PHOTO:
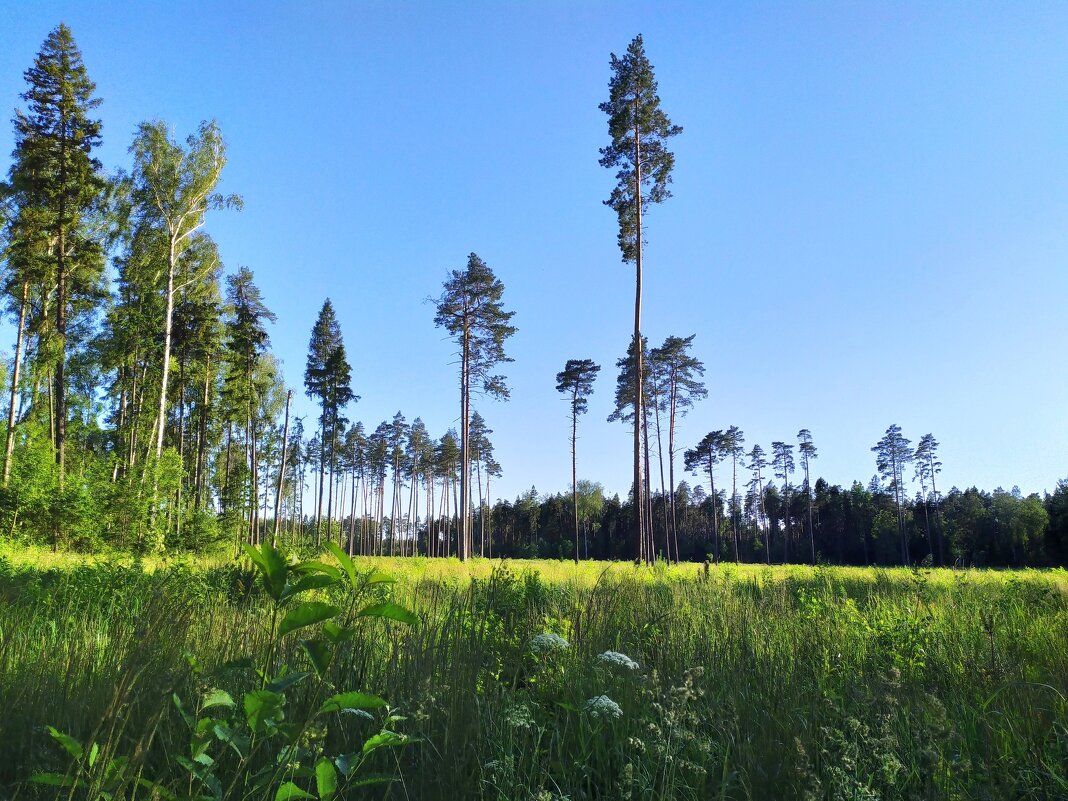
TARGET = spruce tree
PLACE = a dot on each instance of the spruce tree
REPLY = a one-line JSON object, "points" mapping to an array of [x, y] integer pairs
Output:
{"points": [[328, 379], [57, 185]]}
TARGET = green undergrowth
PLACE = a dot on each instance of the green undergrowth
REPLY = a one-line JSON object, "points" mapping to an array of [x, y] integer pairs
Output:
{"points": [[515, 682]]}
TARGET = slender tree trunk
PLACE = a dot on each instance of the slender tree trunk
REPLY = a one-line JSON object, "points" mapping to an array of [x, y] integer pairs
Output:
{"points": [[663, 487], [574, 470], [282, 469], [649, 523], [9, 446], [639, 511], [168, 322], [811, 530], [464, 541], [715, 510], [330, 492], [202, 438]]}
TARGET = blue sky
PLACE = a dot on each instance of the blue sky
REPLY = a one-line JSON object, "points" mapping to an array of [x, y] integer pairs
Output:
{"points": [[869, 223]]}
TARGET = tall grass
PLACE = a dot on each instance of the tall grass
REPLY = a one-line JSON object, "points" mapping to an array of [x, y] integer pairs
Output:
{"points": [[751, 682]]}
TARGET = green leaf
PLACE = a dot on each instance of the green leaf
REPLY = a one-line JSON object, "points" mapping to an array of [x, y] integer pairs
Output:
{"points": [[325, 779], [263, 708], [70, 745], [181, 710], [367, 781], [352, 700], [320, 654], [389, 610], [216, 697], [307, 614], [272, 565], [162, 791], [94, 752], [224, 734], [344, 560], [54, 779], [378, 577], [283, 683], [289, 791], [312, 582], [336, 633], [317, 567], [384, 739]]}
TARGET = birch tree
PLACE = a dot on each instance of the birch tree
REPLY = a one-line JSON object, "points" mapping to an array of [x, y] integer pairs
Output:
{"points": [[174, 187]]}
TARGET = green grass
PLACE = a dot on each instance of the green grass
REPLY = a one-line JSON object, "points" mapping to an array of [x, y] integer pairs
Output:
{"points": [[753, 682]]}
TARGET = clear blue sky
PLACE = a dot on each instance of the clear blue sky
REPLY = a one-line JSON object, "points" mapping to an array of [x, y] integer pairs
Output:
{"points": [[869, 223]]}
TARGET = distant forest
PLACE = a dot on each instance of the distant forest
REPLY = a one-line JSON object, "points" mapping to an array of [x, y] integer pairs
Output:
{"points": [[145, 411]]}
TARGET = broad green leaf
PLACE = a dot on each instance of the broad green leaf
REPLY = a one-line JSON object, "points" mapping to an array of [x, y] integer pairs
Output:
{"points": [[325, 779], [290, 791], [216, 697], [55, 779], [384, 739], [272, 564], [344, 560], [307, 614], [352, 700], [320, 654], [378, 577], [314, 581], [224, 734], [94, 752], [263, 707], [336, 633], [283, 683], [70, 745], [254, 555], [317, 567], [389, 610]]}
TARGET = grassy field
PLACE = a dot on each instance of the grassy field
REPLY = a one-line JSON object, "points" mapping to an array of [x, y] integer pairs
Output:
{"points": [[529, 680]]}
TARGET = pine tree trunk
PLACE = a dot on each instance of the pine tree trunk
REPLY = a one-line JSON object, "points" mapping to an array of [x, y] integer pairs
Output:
{"points": [[639, 511], [462, 540], [574, 470]]}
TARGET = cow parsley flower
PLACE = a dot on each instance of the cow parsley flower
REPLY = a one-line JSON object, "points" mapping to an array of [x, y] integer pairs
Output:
{"points": [[602, 706], [618, 660], [547, 642], [519, 717]]}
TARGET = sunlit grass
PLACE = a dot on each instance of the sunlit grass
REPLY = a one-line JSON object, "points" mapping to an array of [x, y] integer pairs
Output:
{"points": [[753, 682]]}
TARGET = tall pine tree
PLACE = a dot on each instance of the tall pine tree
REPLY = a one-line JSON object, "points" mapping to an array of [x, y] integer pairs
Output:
{"points": [[639, 130]]}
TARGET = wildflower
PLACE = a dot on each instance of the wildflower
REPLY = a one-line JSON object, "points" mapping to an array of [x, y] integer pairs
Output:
{"points": [[548, 641], [519, 717], [602, 706], [618, 660]]}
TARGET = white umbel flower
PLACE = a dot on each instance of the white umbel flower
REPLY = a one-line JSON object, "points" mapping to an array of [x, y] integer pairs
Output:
{"points": [[602, 706], [618, 660], [547, 642]]}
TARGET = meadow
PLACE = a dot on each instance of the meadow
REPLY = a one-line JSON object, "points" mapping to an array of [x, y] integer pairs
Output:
{"points": [[433, 679]]}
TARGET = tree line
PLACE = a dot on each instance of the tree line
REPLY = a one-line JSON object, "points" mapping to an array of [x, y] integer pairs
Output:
{"points": [[146, 410]]}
